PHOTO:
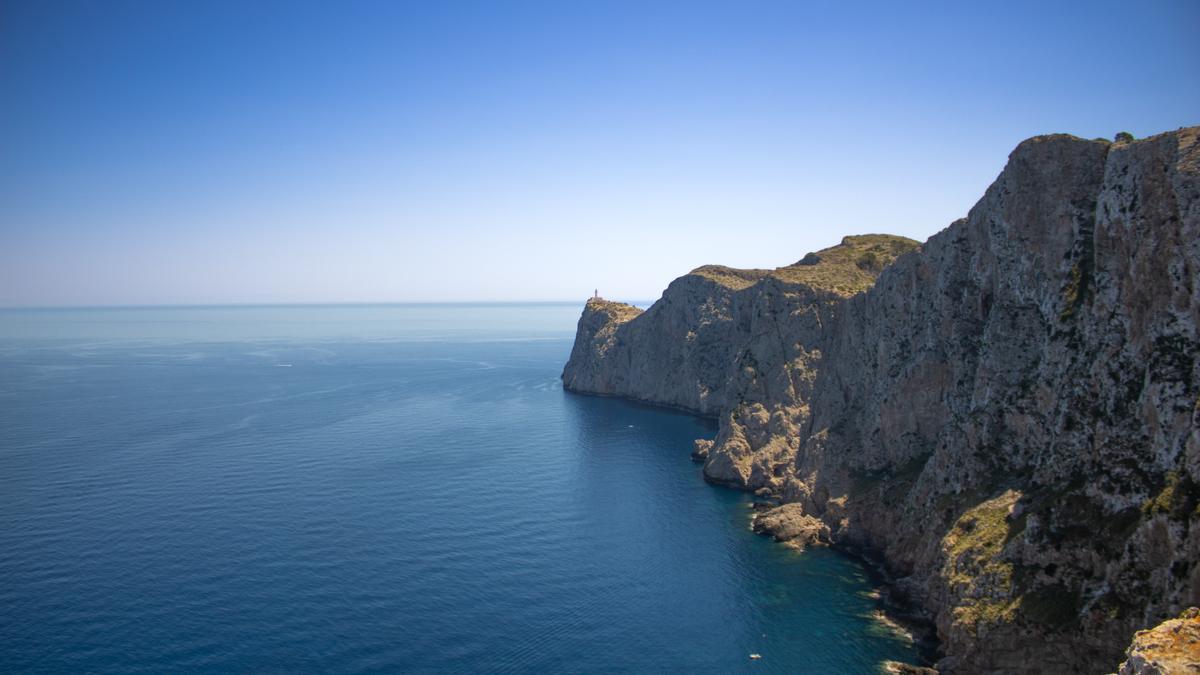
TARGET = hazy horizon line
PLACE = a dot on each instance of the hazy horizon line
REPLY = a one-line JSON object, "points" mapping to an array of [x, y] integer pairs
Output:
{"points": [[347, 303]]}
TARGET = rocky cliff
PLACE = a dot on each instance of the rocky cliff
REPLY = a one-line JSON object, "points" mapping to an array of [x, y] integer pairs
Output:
{"points": [[1170, 648], [1005, 415]]}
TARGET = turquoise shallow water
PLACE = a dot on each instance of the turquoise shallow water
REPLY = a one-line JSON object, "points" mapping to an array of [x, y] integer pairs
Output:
{"points": [[376, 488]]}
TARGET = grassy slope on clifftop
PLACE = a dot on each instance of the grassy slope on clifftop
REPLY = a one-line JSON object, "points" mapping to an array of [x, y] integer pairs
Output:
{"points": [[848, 268]]}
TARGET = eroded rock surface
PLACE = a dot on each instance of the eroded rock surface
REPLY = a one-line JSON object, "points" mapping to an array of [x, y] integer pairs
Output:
{"points": [[791, 525], [1170, 648], [1008, 414]]}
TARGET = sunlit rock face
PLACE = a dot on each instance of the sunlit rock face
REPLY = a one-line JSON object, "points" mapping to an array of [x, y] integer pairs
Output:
{"points": [[1169, 648], [1008, 413]]}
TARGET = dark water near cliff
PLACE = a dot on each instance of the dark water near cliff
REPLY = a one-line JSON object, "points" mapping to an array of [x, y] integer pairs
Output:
{"points": [[354, 489]]}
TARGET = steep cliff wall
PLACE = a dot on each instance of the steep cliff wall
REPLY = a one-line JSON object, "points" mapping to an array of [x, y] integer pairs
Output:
{"points": [[689, 350], [1008, 415]]}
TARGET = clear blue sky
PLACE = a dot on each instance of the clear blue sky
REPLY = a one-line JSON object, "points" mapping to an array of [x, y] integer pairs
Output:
{"points": [[208, 152]]}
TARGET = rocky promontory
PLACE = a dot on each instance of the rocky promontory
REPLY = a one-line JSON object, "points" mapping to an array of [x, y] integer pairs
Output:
{"points": [[1170, 648], [1005, 415]]}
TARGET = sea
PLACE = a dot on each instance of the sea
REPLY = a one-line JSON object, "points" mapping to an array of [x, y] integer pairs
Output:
{"points": [[378, 488]]}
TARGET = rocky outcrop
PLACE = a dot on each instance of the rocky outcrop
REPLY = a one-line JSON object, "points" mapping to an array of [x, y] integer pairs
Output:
{"points": [[697, 347], [1006, 415], [789, 524], [1170, 648], [897, 668]]}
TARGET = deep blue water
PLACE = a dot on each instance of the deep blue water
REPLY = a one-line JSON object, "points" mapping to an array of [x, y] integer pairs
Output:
{"points": [[376, 488]]}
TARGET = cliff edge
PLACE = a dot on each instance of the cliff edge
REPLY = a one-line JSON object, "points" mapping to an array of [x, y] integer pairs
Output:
{"points": [[1006, 415]]}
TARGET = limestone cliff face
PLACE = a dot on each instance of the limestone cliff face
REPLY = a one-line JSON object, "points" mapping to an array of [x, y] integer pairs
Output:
{"points": [[696, 347], [1008, 415]]}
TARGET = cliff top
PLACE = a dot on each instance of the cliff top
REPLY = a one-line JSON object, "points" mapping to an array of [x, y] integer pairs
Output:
{"points": [[731, 277], [848, 268], [618, 311], [1186, 137]]}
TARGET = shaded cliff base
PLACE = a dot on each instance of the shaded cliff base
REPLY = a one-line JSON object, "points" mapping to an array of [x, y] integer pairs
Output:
{"points": [[1170, 648], [788, 525]]}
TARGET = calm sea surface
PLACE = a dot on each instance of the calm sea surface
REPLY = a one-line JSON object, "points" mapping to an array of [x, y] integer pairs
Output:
{"points": [[376, 488]]}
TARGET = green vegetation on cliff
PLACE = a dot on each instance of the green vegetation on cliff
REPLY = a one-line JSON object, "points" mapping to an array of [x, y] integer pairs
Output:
{"points": [[619, 312], [974, 564], [731, 277], [850, 267], [846, 269]]}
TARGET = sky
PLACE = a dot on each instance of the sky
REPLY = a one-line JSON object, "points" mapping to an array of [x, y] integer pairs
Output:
{"points": [[292, 152]]}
